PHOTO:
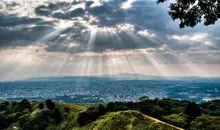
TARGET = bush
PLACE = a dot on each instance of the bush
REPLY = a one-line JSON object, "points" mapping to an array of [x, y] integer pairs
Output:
{"points": [[87, 117], [3, 121], [90, 115], [111, 106], [14, 104], [6, 103], [27, 126], [176, 119], [41, 106], [3, 107], [42, 120], [192, 110], [67, 109], [49, 104], [24, 104], [12, 118], [205, 122], [57, 115], [151, 110], [101, 109]]}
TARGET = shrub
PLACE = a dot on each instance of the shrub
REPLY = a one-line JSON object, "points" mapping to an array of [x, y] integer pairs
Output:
{"points": [[192, 110], [205, 122], [27, 126], [3, 121], [12, 118], [151, 110], [6, 103], [101, 109], [90, 115], [57, 115], [111, 106], [41, 106], [49, 104], [87, 117], [42, 120], [3, 107], [176, 119], [24, 104], [67, 109]]}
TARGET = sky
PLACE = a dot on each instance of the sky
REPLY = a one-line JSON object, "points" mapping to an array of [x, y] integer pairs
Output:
{"points": [[44, 38]]}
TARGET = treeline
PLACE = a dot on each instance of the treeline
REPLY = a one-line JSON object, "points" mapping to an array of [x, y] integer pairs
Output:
{"points": [[19, 112], [184, 114], [41, 115]]}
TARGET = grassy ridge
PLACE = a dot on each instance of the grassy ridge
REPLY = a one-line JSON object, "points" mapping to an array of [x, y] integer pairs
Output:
{"points": [[127, 120], [172, 115], [14, 116]]}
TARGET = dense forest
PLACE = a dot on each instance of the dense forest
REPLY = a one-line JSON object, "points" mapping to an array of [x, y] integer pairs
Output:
{"points": [[49, 115]]}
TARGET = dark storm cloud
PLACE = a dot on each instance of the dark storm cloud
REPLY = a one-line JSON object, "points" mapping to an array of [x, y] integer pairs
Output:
{"points": [[60, 10], [143, 15], [100, 42], [21, 31], [13, 20]]}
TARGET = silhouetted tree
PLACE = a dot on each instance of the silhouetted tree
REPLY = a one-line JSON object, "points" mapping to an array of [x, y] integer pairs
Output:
{"points": [[192, 12], [192, 110], [41, 106], [143, 99], [50, 105], [101, 109], [24, 104]]}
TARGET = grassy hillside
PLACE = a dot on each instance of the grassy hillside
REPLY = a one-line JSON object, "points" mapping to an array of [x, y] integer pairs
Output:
{"points": [[148, 114], [27, 115], [127, 120]]}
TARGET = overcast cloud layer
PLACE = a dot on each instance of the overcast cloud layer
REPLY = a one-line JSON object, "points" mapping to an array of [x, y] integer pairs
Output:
{"points": [[106, 27]]}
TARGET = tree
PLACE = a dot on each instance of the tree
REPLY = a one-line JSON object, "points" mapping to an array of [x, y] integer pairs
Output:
{"points": [[24, 104], [49, 104], [143, 99], [205, 122], [192, 110], [57, 115], [192, 12], [41, 106], [3, 121]]}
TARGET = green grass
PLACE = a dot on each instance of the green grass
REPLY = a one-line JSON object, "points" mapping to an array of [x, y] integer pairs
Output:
{"points": [[42, 119], [126, 120]]}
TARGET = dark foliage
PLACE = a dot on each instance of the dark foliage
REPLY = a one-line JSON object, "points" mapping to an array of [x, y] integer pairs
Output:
{"points": [[3, 107], [151, 110], [3, 121], [41, 106], [24, 104], [192, 12], [27, 126], [184, 114], [91, 114], [50, 105], [67, 109], [57, 115], [42, 120], [192, 110]]}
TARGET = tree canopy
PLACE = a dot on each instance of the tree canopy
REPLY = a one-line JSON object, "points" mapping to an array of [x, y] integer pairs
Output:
{"points": [[192, 12]]}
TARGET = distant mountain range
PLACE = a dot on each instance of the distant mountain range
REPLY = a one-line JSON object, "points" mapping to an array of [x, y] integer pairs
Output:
{"points": [[130, 76], [124, 76]]}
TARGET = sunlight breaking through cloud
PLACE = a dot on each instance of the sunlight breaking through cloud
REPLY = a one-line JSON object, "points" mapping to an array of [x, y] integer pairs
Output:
{"points": [[80, 37]]}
